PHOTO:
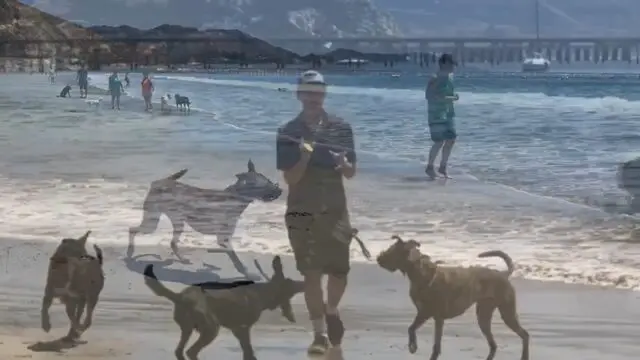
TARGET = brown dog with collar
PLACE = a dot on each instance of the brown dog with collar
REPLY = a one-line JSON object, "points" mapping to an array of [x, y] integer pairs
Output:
{"points": [[76, 278], [236, 306], [446, 292]]}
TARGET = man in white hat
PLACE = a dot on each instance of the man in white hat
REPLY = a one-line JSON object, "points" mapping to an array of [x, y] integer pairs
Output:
{"points": [[315, 151]]}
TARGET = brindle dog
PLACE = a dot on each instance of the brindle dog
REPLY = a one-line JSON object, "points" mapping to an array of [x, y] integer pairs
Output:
{"points": [[76, 278], [207, 211], [446, 292], [236, 308]]}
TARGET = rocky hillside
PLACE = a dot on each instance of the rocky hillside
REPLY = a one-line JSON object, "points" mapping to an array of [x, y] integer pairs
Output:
{"points": [[265, 19], [22, 21], [241, 46], [19, 21]]}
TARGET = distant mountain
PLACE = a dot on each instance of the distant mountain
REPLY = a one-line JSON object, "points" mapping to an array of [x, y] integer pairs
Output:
{"points": [[242, 48], [263, 18], [504, 18], [19, 21]]}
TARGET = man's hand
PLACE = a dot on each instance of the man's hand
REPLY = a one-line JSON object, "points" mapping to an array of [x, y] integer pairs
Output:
{"points": [[305, 147], [340, 158]]}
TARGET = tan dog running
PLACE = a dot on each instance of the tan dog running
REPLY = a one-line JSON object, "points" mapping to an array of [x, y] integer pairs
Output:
{"points": [[446, 292], [236, 306], [76, 278]]}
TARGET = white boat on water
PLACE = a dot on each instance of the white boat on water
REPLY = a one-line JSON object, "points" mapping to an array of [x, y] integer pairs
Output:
{"points": [[537, 63]]}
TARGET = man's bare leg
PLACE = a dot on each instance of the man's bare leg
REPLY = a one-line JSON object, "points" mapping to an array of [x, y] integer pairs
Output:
{"points": [[314, 299], [336, 286], [446, 152], [433, 153]]}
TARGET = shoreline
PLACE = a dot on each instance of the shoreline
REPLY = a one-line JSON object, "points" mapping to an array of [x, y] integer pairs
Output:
{"points": [[528, 268]]}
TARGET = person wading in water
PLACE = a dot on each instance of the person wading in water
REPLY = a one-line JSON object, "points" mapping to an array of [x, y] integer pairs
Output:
{"points": [[147, 92], [315, 151], [440, 95], [83, 81], [116, 89]]}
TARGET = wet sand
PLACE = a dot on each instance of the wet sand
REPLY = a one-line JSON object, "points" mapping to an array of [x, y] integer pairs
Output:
{"points": [[565, 321]]}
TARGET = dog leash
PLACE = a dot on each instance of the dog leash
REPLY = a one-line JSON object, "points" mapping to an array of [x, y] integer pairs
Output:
{"points": [[363, 248]]}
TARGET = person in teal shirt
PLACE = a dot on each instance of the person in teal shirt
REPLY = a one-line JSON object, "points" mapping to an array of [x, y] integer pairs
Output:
{"points": [[441, 95], [116, 89]]}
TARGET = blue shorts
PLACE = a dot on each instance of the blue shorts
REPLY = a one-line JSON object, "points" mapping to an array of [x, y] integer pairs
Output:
{"points": [[441, 131], [84, 84]]}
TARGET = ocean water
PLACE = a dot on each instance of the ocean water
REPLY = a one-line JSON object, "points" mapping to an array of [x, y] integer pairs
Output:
{"points": [[534, 168]]}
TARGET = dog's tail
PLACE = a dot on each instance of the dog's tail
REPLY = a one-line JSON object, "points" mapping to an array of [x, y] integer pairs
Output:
{"points": [[98, 251], [502, 255], [156, 286]]}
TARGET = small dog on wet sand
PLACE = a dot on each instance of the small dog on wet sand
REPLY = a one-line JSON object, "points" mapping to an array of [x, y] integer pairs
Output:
{"points": [[76, 278], [205, 308], [93, 102], [441, 293], [164, 103], [182, 103]]}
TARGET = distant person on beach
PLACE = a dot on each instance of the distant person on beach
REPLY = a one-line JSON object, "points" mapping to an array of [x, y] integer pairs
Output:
{"points": [[116, 89], [315, 151], [440, 95], [127, 82], [52, 76], [83, 81], [147, 92], [65, 92]]}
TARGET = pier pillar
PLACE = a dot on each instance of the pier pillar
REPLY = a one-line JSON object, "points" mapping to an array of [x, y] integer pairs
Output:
{"points": [[568, 53], [626, 53], [606, 52], [615, 56], [509, 55], [558, 54], [577, 54], [491, 54]]}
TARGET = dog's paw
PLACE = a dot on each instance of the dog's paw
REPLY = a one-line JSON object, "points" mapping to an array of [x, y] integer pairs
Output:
{"points": [[413, 347]]}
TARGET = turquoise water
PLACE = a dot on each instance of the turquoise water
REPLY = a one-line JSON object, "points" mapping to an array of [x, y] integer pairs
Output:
{"points": [[534, 166]]}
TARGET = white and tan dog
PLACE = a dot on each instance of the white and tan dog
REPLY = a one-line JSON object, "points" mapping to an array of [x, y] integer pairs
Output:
{"points": [[164, 103], [93, 102]]}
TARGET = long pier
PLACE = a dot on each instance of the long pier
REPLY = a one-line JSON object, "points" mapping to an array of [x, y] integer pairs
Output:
{"points": [[421, 50]]}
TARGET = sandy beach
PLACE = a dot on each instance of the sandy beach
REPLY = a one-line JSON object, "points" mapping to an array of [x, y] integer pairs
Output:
{"points": [[565, 321]]}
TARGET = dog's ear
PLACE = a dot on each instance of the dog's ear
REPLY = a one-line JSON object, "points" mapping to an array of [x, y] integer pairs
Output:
{"points": [[177, 175], [83, 239], [276, 264], [413, 244], [250, 166], [397, 238]]}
